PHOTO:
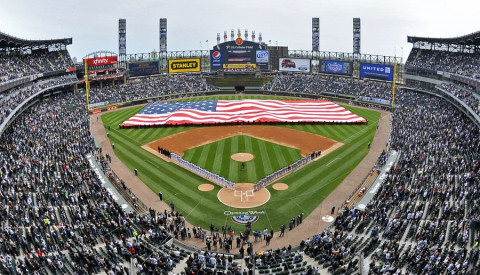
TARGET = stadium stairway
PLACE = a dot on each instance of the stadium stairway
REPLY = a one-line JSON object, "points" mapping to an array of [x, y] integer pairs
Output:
{"points": [[367, 183], [293, 82]]}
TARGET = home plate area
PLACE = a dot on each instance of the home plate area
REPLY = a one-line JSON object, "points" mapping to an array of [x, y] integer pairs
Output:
{"points": [[243, 196]]}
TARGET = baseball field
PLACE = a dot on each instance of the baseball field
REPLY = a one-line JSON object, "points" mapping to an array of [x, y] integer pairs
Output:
{"points": [[307, 187]]}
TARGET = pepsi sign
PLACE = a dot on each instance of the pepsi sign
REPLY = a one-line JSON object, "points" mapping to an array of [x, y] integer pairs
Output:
{"points": [[216, 61], [216, 55]]}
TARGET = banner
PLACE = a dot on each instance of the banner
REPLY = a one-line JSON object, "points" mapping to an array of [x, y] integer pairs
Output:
{"points": [[376, 71], [335, 67], [122, 36], [356, 35], [143, 68], [184, 65], [228, 67], [315, 33], [163, 34], [100, 61], [294, 65]]}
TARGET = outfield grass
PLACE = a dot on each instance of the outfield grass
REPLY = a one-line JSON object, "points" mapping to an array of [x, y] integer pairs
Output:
{"points": [[216, 157], [307, 187]]}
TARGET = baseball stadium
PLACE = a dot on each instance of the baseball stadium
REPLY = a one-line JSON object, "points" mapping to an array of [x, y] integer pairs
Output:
{"points": [[243, 158]]}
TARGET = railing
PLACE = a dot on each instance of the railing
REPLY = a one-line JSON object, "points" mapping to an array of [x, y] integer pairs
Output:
{"points": [[127, 194], [286, 170], [17, 82], [202, 172], [20, 107]]}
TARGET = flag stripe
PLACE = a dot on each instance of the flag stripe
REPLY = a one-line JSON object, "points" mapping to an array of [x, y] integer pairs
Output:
{"points": [[227, 111]]}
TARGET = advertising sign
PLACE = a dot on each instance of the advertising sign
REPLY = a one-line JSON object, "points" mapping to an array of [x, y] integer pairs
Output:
{"points": [[262, 56], [377, 71], [184, 65], [216, 60], [100, 61], [294, 65], [335, 67], [233, 67], [143, 68]]}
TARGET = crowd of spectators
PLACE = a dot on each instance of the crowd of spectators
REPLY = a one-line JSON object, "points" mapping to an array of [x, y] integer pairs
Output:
{"points": [[180, 84], [319, 84], [10, 99], [57, 215], [16, 66], [464, 93], [150, 87], [467, 64], [424, 219]]}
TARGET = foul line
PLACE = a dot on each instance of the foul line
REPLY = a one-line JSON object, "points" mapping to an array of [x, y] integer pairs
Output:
{"points": [[193, 207], [303, 210], [328, 164], [359, 132], [266, 214]]}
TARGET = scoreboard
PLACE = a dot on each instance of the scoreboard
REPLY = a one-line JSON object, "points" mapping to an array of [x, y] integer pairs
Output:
{"points": [[246, 54]]}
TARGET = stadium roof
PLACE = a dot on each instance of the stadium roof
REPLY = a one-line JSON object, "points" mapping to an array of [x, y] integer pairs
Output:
{"points": [[472, 39], [8, 41]]}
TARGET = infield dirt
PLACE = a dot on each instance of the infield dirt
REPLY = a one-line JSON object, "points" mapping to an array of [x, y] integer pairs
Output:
{"points": [[306, 142]]}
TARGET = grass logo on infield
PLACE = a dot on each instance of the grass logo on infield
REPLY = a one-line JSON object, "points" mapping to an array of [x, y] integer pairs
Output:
{"points": [[244, 219]]}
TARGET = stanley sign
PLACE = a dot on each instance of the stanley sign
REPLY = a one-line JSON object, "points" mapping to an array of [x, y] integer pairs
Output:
{"points": [[184, 65]]}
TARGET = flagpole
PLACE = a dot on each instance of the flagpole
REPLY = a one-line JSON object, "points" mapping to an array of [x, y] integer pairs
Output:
{"points": [[86, 82]]}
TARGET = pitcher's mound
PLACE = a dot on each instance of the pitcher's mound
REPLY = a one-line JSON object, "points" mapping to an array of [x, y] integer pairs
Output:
{"points": [[243, 196], [280, 186], [205, 187], [242, 157]]}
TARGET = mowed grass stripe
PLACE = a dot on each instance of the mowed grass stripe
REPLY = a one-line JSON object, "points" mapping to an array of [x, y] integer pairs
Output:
{"points": [[233, 167], [227, 151], [250, 166], [266, 162], [217, 162], [202, 160], [274, 155]]}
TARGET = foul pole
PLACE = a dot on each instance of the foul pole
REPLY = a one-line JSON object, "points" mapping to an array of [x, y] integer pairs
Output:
{"points": [[394, 80], [86, 82]]}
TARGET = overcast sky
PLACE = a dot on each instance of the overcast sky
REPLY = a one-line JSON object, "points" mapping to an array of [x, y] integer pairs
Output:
{"points": [[93, 25]]}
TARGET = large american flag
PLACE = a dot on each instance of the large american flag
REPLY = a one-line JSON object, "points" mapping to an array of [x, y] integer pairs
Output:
{"points": [[228, 111]]}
